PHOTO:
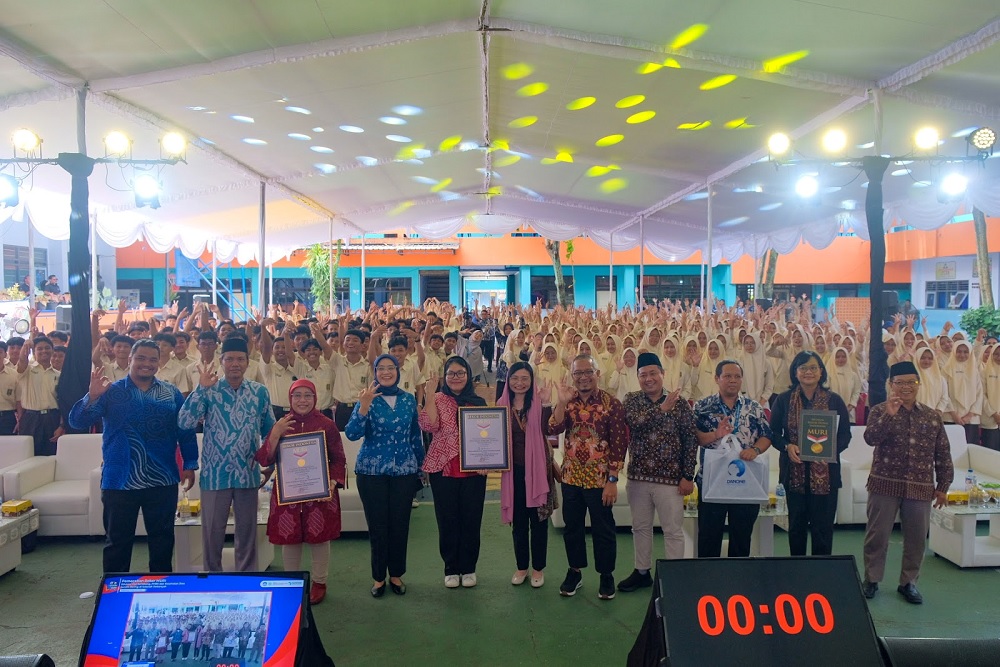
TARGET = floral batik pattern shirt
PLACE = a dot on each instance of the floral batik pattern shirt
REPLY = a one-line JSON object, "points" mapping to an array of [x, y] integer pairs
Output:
{"points": [[596, 439]]}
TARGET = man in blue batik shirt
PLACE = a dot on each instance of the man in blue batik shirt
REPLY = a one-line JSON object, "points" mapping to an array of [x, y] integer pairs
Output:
{"points": [[140, 441], [237, 414]]}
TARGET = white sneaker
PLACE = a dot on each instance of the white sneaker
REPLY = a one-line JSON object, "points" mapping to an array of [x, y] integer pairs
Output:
{"points": [[451, 581], [415, 504], [537, 579], [469, 580], [519, 577]]}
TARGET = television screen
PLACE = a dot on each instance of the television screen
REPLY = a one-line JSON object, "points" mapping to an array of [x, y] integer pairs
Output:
{"points": [[214, 619]]}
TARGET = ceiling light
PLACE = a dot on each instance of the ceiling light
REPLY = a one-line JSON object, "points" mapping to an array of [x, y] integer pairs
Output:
{"points": [[255, 142], [8, 191], [25, 140], [320, 149], [173, 144], [835, 141], [116, 143], [770, 207], [325, 167], [398, 138], [367, 160], [301, 110], [298, 136], [778, 143], [807, 187], [952, 187], [353, 129], [392, 120], [407, 110], [926, 138], [242, 119], [983, 140], [147, 191]]}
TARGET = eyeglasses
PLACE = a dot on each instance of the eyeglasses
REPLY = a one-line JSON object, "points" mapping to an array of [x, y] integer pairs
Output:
{"points": [[455, 375], [308, 395], [810, 368], [385, 369], [906, 383], [583, 374]]}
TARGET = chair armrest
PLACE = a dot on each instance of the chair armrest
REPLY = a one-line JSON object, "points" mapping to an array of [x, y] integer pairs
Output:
{"points": [[845, 495], [28, 475], [95, 506]]}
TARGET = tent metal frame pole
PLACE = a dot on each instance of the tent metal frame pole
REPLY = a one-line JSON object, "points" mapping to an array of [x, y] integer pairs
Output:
{"points": [[611, 269], [270, 286], [215, 274], [642, 264], [94, 296], [364, 306], [709, 294], [261, 305], [330, 312], [756, 272], [31, 265]]}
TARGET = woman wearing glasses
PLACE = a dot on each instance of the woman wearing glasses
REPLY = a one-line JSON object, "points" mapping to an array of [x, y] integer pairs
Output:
{"points": [[811, 485], [387, 469], [458, 496]]}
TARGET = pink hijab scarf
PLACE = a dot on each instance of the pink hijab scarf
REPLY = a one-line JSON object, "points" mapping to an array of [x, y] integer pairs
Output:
{"points": [[536, 477]]}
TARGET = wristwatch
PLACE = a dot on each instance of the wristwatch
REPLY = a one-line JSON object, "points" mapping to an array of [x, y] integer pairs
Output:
{"points": [[756, 450], [613, 479]]}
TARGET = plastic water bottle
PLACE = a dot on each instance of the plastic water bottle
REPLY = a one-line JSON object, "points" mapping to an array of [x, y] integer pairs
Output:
{"points": [[970, 480], [779, 492], [184, 507]]}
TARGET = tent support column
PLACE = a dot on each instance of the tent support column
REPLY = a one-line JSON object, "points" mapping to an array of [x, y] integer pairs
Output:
{"points": [[215, 274], [330, 311], [95, 298], [364, 306], [611, 269], [261, 304], [642, 265], [709, 295]]}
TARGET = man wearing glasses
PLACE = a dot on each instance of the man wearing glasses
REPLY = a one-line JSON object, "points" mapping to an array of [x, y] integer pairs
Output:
{"points": [[595, 444], [911, 467]]}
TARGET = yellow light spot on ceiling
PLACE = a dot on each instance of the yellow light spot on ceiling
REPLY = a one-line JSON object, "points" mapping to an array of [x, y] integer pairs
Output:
{"points": [[409, 151], [738, 124], [695, 126], [613, 185], [609, 140], [648, 68], [533, 89], [523, 121], [778, 63], [499, 145], [670, 62], [718, 82], [549, 160], [517, 71], [601, 170], [688, 35], [581, 103], [449, 143], [506, 160], [640, 117], [495, 190], [402, 207], [441, 185], [630, 101], [564, 156]]}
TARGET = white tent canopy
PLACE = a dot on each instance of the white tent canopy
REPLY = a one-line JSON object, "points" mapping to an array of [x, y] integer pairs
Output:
{"points": [[575, 118]]}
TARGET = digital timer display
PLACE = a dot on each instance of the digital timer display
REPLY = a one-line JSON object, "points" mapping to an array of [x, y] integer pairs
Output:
{"points": [[759, 611]]}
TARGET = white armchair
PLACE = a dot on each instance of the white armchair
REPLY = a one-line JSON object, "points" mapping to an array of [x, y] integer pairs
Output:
{"points": [[13, 450], [66, 488], [352, 512]]}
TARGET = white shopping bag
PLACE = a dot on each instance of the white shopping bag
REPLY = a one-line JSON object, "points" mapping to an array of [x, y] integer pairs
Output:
{"points": [[726, 478]]}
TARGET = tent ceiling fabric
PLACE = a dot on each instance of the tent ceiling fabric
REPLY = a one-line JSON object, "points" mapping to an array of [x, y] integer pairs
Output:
{"points": [[572, 118]]}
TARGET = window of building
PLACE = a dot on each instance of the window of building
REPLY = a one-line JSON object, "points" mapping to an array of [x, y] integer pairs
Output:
{"points": [[544, 288], [943, 294], [397, 291], [15, 265], [657, 288]]}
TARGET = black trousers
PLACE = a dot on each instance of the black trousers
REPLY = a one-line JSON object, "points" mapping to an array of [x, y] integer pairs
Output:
{"points": [[342, 415], [386, 500], [991, 438], [531, 534], [712, 525], [40, 425], [8, 420], [576, 502], [121, 511], [811, 514], [458, 507], [488, 346]]}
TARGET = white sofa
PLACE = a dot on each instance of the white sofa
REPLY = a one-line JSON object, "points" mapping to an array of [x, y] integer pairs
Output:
{"points": [[66, 488], [857, 462], [13, 450], [352, 513]]}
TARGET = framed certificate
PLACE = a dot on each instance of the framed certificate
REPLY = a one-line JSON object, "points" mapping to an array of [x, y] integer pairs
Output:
{"points": [[818, 436], [484, 439], [302, 469]]}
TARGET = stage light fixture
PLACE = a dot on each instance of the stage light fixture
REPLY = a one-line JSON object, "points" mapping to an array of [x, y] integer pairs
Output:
{"points": [[147, 191], [25, 140], [116, 143], [983, 140], [952, 187], [807, 187], [173, 144], [8, 191], [926, 138], [778, 143], [835, 141]]}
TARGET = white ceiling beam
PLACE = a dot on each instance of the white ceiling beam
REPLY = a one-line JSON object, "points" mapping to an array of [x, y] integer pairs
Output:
{"points": [[327, 48], [484, 59], [955, 52], [52, 93], [977, 109]]}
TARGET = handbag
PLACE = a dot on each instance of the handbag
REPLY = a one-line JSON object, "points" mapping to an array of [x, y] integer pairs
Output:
{"points": [[726, 478]]}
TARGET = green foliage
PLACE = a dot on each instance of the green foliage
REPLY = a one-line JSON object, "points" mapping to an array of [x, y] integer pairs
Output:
{"points": [[983, 317], [317, 265]]}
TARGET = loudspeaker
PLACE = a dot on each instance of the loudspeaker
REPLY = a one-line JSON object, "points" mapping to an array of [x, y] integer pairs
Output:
{"points": [[37, 660], [919, 652], [64, 318]]}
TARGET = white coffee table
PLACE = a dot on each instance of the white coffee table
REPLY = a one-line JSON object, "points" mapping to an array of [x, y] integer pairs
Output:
{"points": [[953, 535], [761, 542], [12, 529], [189, 549]]}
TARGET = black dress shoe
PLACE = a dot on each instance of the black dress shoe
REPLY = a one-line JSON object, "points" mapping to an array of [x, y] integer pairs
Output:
{"points": [[911, 594], [869, 589], [398, 589], [378, 591]]}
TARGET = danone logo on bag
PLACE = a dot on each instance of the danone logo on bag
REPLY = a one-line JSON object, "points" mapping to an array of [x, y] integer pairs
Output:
{"points": [[736, 470]]}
